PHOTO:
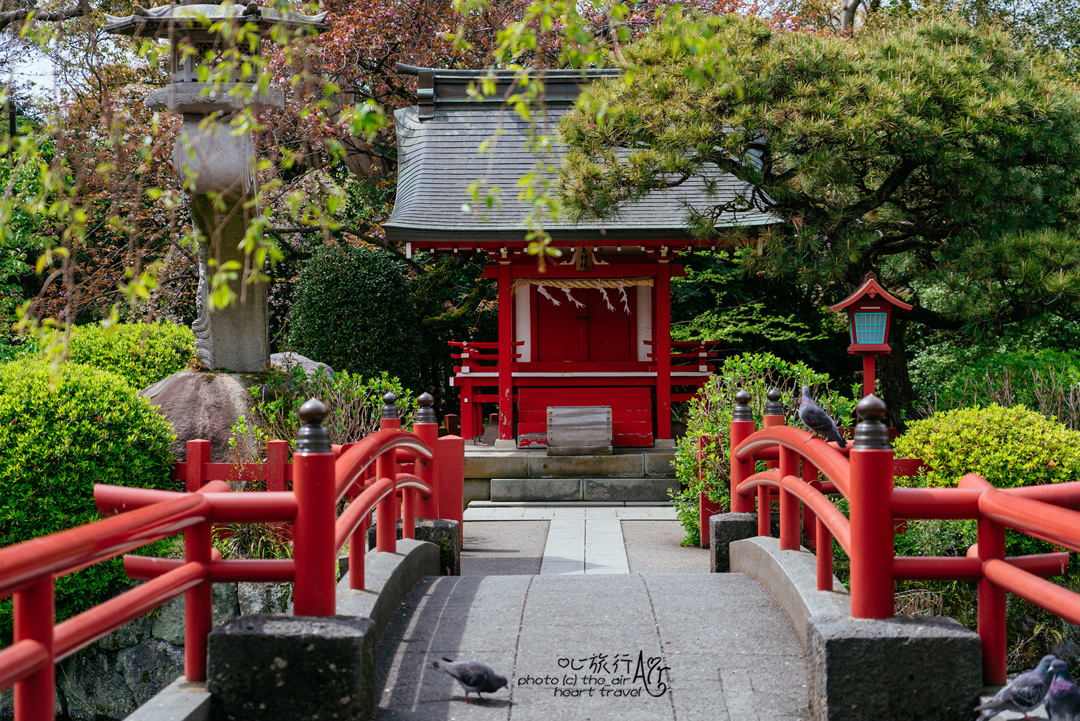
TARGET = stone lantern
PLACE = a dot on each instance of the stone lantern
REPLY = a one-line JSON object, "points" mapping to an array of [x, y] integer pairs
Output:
{"points": [[870, 310], [215, 163]]}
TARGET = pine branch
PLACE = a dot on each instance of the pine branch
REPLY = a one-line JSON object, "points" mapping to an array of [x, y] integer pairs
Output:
{"points": [[82, 8]]}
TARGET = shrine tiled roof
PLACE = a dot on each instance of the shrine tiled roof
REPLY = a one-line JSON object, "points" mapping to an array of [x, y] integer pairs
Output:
{"points": [[438, 159]]}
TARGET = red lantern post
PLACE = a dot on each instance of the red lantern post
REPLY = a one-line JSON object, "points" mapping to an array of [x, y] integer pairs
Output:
{"points": [[870, 311]]}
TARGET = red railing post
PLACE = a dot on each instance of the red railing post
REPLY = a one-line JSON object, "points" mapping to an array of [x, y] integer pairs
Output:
{"points": [[386, 467], [277, 458], [742, 426], [358, 543], [198, 601], [774, 416], [823, 547], [314, 591], [451, 455], [426, 427], [809, 476], [706, 508], [871, 520], [35, 695], [789, 504], [991, 606]]}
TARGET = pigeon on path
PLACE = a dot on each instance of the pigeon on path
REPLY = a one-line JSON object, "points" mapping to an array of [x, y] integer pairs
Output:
{"points": [[1063, 699], [474, 677], [817, 420], [1024, 693]]}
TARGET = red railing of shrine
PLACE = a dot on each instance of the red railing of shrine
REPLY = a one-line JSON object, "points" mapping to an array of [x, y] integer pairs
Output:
{"points": [[321, 475], [863, 474]]}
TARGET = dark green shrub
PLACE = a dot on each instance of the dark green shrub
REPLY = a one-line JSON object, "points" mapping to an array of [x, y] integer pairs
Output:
{"points": [[710, 414], [59, 435], [140, 353], [353, 310], [353, 407], [1046, 380]]}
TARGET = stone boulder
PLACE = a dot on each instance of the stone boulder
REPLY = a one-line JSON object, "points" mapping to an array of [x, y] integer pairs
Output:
{"points": [[290, 360], [204, 405]]}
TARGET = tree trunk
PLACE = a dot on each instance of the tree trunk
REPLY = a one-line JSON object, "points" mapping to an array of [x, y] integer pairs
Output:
{"points": [[895, 380]]}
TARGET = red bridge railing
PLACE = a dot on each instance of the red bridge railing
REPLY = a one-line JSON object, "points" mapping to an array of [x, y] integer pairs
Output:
{"points": [[322, 476], [863, 474]]}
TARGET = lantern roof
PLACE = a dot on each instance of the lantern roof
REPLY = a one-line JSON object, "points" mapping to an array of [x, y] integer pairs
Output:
{"points": [[165, 20], [871, 289]]}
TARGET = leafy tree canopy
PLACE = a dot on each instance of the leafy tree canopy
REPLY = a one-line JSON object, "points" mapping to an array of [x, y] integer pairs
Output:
{"points": [[935, 154]]}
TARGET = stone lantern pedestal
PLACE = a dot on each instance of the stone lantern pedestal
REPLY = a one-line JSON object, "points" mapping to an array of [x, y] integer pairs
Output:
{"points": [[215, 163]]}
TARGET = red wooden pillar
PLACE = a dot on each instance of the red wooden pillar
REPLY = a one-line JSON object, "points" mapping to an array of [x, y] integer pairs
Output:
{"points": [[663, 349], [774, 416], [386, 467], [871, 520], [506, 354], [706, 508], [427, 428], [451, 481], [277, 458], [198, 601], [313, 482], [789, 504], [35, 695], [742, 425]]}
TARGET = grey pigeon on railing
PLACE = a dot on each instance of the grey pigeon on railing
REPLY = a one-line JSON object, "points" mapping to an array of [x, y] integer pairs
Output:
{"points": [[817, 420], [474, 677], [1024, 693], [1063, 699]]}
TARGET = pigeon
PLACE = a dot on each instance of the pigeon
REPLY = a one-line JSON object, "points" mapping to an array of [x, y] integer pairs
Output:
{"points": [[817, 420], [1063, 700], [474, 677], [1024, 693]]}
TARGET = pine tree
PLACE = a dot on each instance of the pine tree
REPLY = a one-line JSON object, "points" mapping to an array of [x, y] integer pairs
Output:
{"points": [[937, 155]]}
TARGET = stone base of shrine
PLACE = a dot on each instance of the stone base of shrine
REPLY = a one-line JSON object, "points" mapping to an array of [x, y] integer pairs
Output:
{"points": [[628, 474]]}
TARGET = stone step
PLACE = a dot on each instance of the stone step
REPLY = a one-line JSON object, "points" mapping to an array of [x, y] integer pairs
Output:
{"points": [[582, 489], [486, 464]]}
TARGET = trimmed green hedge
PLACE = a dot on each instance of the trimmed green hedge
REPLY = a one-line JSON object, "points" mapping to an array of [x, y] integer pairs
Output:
{"points": [[354, 311], [1007, 446], [59, 435], [140, 353]]}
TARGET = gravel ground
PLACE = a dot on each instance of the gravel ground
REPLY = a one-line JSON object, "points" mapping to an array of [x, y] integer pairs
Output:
{"points": [[503, 548], [653, 547]]}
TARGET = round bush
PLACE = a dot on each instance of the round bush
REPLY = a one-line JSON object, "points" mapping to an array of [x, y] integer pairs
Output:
{"points": [[354, 311], [1007, 446], [140, 353], [60, 433]]}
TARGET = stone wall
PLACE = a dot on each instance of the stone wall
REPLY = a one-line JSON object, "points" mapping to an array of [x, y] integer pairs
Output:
{"points": [[111, 678]]}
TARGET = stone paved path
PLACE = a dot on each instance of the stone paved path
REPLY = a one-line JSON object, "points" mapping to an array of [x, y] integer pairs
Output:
{"points": [[581, 540], [591, 647]]}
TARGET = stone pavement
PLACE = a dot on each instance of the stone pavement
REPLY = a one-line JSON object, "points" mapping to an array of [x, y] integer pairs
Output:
{"points": [[580, 539], [593, 647]]}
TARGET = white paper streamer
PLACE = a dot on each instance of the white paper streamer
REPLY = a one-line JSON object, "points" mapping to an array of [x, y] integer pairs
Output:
{"points": [[625, 300], [544, 292], [570, 295], [603, 294]]}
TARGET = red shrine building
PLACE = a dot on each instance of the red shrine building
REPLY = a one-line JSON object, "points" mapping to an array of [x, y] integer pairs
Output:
{"points": [[594, 327]]}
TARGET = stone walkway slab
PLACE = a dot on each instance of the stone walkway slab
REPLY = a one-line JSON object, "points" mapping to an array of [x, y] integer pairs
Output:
{"points": [[595, 647], [540, 512]]}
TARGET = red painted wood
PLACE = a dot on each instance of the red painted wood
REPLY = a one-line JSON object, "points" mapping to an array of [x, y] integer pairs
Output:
{"points": [[609, 330], [558, 337], [631, 411], [506, 344], [662, 334]]}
